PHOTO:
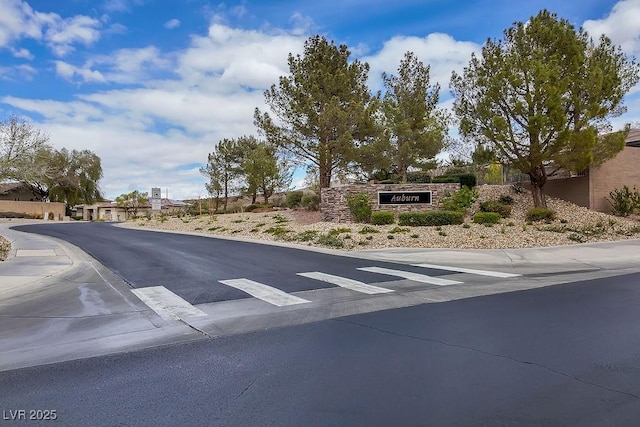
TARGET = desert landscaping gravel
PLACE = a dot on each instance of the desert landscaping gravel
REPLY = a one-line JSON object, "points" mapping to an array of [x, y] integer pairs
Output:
{"points": [[573, 224]]}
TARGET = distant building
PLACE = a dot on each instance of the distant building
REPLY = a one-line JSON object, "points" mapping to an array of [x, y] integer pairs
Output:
{"points": [[110, 211], [17, 192]]}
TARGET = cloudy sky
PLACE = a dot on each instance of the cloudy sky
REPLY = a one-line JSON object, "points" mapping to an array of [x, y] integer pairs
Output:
{"points": [[152, 85]]}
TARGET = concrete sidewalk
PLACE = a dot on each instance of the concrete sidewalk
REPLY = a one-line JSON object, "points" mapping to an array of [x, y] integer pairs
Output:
{"points": [[32, 258], [617, 255]]}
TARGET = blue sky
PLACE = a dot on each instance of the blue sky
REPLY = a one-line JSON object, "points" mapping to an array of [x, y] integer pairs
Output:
{"points": [[152, 85]]}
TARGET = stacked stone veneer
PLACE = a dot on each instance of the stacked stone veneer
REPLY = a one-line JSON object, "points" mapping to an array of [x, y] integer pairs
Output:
{"points": [[334, 206]]}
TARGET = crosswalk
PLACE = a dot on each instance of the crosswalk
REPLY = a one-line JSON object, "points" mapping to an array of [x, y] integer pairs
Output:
{"points": [[170, 306]]}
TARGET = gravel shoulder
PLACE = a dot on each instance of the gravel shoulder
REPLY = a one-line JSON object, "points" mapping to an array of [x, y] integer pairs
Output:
{"points": [[573, 224]]}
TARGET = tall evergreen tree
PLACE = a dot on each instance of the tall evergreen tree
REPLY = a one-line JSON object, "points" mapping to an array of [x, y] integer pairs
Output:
{"points": [[223, 169], [322, 109], [416, 128], [543, 96], [265, 171]]}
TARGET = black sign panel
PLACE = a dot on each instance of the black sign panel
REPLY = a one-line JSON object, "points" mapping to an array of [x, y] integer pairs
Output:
{"points": [[404, 197]]}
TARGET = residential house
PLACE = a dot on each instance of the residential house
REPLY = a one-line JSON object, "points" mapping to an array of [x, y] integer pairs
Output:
{"points": [[591, 188], [17, 192], [110, 211]]}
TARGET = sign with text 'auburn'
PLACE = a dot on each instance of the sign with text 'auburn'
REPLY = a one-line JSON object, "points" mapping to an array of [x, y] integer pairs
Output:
{"points": [[404, 197]]}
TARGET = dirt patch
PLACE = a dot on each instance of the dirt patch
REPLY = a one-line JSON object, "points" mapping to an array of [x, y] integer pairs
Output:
{"points": [[305, 217]]}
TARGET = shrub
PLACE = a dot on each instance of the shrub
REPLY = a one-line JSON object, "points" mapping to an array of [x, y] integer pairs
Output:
{"points": [[487, 218], [497, 207], [294, 198], [468, 179], [339, 230], [277, 231], [460, 200], [306, 236], [360, 207], [368, 230], [382, 218], [518, 188], [445, 179], [540, 214], [418, 177], [624, 201], [330, 240], [258, 206], [279, 219], [506, 199], [395, 230], [430, 218], [310, 202]]}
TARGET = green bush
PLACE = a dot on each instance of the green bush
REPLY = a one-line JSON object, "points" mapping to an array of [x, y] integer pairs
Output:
{"points": [[294, 198], [497, 207], [506, 199], [382, 218], [624, 201], [459, 200], [486, 218], [330, 240], [360, 207], [540, 214], [310, 202], [468, 179], [255, 206], [430, 218], [368, 230], [418, 177], [445, 179]]}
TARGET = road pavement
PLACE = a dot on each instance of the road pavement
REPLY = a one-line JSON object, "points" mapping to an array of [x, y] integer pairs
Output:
{"points": [[553, 356], [59, 304]]}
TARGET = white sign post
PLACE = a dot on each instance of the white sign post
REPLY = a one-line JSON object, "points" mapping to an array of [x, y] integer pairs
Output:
{"points": [[156, 202]]}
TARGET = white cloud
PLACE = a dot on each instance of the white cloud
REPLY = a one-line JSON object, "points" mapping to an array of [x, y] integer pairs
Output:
{"points": [[621, 26], [21, 72], [172, 24], [62, 34], [69, 72], [441, 51], [301, 24], [22, 53], [147, 133], [18, 21], [116, 5]]}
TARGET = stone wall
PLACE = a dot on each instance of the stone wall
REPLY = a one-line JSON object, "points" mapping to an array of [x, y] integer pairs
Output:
{"points": [[334, 206], [55, 210]]}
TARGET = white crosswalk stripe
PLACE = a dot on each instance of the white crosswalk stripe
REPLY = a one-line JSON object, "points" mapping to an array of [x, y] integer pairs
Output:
{"points": [[166, 304], [469, 270], [264, 292], [347, 283], [422, 278]]}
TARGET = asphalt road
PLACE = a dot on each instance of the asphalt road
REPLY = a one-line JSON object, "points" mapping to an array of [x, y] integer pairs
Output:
{"points": [[191, 266], [562, 355]]}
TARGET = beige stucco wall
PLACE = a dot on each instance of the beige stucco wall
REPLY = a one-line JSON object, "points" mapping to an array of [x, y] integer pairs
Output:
{"points": [[624, 169], [36, 209], [574, 190]]}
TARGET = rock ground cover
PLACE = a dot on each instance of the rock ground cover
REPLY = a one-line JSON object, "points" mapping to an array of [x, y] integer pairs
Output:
{"points": [[573, 224], [5, 247]]}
